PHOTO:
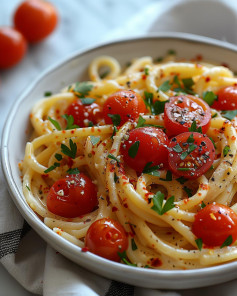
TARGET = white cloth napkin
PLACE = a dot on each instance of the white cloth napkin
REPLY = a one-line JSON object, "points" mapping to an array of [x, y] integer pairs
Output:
{"points": [[38, 267]]}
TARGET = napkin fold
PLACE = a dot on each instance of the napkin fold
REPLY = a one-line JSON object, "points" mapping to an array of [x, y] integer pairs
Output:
{"points": [[38, 267]]}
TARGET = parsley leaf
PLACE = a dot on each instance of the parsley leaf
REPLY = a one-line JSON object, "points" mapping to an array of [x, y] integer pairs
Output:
{"points": [[52, 167], [146, 71], [168, 176], [165, 86], [48, 94], [226, 150], [159, 107], [188, 191], [132, 151], [70, 122], [111, 156], [58, 156], [87, 101], [227, 242], [190, 149], [177, 148], [28, 187], [82, 88], [230, 114], [74, 171], [194, 128], [116, 119], [209, 97], [134, 246], [151, 170], [140, 122], [55, 123], [158, 207], [199, 243], [203, 205], [94, 140], [69, 151], [123, 257], [181, 180]]}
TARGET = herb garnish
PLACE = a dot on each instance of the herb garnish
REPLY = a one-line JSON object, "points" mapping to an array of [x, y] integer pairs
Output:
{"points": [[52, 167], [134, 246], [209, 97], [158, 207], [87, 101], [146, 71], [123, 257], [58, 156], [168, 176], [199, 243], [194, 128], [132, 151], [230, 114], [48, 94], [181, 180], [203, 205], [165, 86], [82, 89], [151, 170], [188, 191], [70, 122], [28, 187], [177, 148], [94, 140], [226, 150], [69, 151], [141, 123], [55, 123], [111, 156], [74, 171], [227, 242], [116, 119]]}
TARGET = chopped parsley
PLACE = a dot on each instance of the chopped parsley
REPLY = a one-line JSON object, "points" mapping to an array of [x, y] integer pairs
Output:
{"points": [[28, 187], [55, 123], [230, 114], [70, 122], [165, 86], [134, 246], [116, 119], [168, 176], [111, 156], [71, 150], [141, 123], [52, 167], [82, 89], [123, 257], [156, 107], [199, 243], [87, 101], [48, 94], [226, 150], [177, 148], [94, 140], [74, 171], [209, 97], [58, 156], [151, 170], [203, 205], [227, 242], [158, 207], [132, 151], [146, 71], [181, 180], [188, 191], [194, 128]]}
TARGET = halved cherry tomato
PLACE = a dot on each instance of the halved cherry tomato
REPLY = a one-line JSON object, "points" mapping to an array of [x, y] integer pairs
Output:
{"points": [[35, 19], [126, 103], [181, 111], [72, 196], [226, 99], [214, 223], [106, 237], [13, 47], [191, 154], [84, 114], [152, 147]]}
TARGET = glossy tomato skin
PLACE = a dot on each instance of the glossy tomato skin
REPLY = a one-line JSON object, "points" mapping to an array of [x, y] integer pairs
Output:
{"points": [[197, 162], [214, 223], [226, 99], [35, 19], [13, 47], [181, 111], [84, 114], [72, 196], [106, 237], [152, 148], [127, 103]]}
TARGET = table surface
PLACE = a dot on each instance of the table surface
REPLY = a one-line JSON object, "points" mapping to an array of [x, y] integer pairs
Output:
{"points": [[82, 23]]}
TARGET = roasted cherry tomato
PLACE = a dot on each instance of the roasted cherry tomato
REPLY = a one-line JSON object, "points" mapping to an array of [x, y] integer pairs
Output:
{"points": [[35, 19], [106, 237], [13, 47], [214, 224], [85, 114], [126, 103], [144, 145], [181, 111], [226, 99], [191, 154], [73, 196]]}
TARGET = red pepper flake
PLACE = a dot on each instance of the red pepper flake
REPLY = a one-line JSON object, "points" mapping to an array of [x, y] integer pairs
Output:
{"points": [[225, 65], [144, 77], [114, 209], [63, 131], [207, 79], [186, 200], [92, 129], [84, 249], [233, 138], [31, 115], [155, 262], [168, 232], [204, 186], [72, 131], [199, 194], [125, 205], [199, 57]]}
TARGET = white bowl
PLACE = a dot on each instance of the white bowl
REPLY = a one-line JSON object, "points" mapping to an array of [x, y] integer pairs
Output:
{"points": [[73, 69]]}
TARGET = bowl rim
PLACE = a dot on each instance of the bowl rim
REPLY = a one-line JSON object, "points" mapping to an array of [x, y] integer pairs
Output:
{"points": [[40, 227]]}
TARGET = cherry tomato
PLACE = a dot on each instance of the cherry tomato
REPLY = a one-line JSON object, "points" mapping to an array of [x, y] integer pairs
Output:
{"points": [[13, 47], [181, 111], [73, 196], [191, 154], [35, 19], [84, 114], [152, 147], [214, 223], [226, 99], [106, 237], [126, 103]]}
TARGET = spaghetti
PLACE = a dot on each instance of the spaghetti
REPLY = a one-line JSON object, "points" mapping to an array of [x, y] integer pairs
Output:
{"points": [[155, 239]]}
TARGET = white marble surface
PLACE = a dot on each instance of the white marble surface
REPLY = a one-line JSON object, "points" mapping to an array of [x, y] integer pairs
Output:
{"points": [[82, 23]]}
